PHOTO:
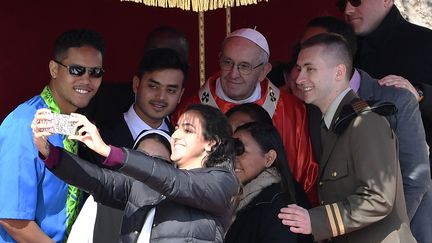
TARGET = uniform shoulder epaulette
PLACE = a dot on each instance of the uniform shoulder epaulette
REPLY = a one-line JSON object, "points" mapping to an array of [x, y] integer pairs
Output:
{"points": [[359, 106]]}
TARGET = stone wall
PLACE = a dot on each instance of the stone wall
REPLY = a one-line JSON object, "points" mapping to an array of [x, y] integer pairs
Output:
{"points": [[416, 11]]}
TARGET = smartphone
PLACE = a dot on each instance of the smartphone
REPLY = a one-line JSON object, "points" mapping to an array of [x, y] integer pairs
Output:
{"points": [[63, 124]]}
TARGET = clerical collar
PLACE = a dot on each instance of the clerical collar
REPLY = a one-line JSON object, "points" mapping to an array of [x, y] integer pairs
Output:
{"points": [[256, 95]]}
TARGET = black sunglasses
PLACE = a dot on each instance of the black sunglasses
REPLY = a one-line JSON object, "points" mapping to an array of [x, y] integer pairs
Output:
{"points": [[341, 4], [77, 70]]}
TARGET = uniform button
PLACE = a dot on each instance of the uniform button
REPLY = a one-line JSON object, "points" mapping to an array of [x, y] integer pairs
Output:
{"points": [[321, 183], [136, 232], [334, 173], [154, 225]]}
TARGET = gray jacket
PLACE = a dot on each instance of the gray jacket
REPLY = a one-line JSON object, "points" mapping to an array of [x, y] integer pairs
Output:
{"points": [[413, 152], [408, 126], [191, 205]]}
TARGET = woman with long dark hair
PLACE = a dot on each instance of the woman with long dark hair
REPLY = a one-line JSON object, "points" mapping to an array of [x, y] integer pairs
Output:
{"points": [[268, 186], [191, 203]]}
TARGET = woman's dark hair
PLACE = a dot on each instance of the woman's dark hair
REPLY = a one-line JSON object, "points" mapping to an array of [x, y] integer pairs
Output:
{"points": [[151, 134], [217, 128], [256, 112], [267, 137]]}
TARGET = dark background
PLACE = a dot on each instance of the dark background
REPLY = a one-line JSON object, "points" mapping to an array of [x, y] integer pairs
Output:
{"points": [[29, 28]]}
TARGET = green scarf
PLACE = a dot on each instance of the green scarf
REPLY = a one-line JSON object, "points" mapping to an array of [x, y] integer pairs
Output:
{"points": [[74, 197]]}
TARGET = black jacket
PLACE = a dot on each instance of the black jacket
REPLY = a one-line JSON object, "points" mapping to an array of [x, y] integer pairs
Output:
{"points": [[401, 48], [108, 221], [191, 206], [258, 221]]}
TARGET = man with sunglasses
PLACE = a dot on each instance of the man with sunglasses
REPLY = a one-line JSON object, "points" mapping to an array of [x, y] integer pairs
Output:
{"points": [[388, 44], [244, 64], [36, 206]]}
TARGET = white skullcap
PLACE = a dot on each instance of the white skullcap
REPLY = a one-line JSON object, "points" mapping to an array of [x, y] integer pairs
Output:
{"points": [[252, 35]]}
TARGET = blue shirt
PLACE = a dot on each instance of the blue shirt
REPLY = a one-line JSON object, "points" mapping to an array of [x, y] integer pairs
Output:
{"points": [[28, 190]]}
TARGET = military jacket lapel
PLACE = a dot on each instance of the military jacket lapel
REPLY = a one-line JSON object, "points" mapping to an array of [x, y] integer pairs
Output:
{"points": [[330, 139]]}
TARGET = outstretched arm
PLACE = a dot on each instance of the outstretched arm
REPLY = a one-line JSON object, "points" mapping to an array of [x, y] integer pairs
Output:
{"points": [[208, 189], [108, 187]]}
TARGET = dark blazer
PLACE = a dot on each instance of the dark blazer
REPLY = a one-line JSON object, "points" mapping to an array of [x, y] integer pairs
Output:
{"points": [[399, 47], [360, 185], [115, 133], [315, 115], [191, 206], [111, 100], [109, 220], [257, 222]]}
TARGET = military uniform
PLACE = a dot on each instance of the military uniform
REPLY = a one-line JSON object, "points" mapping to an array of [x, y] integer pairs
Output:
{"points": [[360, 184]]}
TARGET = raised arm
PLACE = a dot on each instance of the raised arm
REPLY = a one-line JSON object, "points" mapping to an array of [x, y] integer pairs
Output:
{"points": [[208, 189], [108, 187]]}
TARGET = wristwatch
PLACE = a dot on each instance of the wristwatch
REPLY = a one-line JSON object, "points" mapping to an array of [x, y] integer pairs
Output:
{"points": [[420, 94]]}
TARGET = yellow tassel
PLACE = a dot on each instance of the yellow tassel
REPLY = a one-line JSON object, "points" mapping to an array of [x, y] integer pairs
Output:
{"points": [[197, 5], [201, 30]]}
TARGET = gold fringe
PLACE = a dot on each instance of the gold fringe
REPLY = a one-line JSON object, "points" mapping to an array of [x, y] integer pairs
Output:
{"points": [[200, 6], [228, 20], [201, 47], [197, 5]]}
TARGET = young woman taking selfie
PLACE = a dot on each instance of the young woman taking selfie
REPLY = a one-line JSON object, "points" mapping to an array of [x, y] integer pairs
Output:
{"points": [[190, 203]]}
